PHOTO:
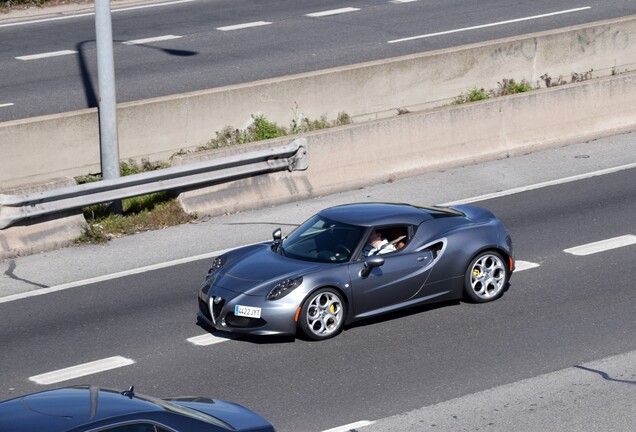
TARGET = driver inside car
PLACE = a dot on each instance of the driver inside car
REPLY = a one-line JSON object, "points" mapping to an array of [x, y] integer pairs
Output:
{"points": [[377, 245]]}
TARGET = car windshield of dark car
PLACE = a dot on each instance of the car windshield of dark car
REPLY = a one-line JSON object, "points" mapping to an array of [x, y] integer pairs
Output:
{"points": [[323, 240]]}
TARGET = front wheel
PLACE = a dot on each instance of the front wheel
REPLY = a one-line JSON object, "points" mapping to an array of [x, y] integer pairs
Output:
{"points": [[322, 315], [486, 277]]}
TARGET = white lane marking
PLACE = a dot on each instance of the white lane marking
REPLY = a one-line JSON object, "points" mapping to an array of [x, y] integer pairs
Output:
{"points": [[491, 24], [81, 370], [602, 246], [244, 25], [350, 427], [402, 1], [46, 55], [109, 276], [540, 185], [524, 265], [150, 40], [332, 12], [208, 339], [65, 17], [6, 105]]}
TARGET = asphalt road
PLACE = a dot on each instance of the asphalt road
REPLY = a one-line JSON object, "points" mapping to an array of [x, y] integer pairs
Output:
{"points": [[566, 310], [48, 62]]}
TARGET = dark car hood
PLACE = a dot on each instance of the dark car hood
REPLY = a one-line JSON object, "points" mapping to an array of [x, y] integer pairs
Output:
{"points": [[254, 270], [231, 413]]}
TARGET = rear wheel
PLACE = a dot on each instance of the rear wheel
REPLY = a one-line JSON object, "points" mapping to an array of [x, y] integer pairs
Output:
{"points": [[322, 315], [486, 277]]}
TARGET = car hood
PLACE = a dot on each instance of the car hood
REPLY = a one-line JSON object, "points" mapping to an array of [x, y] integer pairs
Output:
{"points": [[235, 415], [257, 269]]}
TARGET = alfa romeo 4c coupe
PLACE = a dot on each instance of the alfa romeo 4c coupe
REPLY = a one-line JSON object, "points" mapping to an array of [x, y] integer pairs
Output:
{"points": [[354, 261]]}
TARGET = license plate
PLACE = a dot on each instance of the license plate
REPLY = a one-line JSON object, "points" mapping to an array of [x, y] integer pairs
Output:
{"points": [[247, 311]]}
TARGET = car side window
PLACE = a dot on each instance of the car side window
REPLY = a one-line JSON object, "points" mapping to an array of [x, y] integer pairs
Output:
{"points": [[398, 236], [383, 240]]}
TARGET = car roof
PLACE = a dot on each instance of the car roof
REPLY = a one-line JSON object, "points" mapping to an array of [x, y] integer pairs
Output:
{"points": [[378, 214], [66, 408]]}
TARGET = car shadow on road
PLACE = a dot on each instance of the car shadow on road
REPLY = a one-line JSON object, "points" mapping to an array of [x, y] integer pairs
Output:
{"points": [[274, 339]]}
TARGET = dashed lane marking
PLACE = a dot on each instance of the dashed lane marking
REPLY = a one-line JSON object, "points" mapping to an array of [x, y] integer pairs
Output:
{"points": [[524, 265], [332, 12], [351, 426], [151, 40], [602, 246], [81, 370], [244, 25], [207, 339], [46, 55]]}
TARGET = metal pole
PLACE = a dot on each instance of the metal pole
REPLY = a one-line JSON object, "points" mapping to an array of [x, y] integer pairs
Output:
{"points": [[107, 99]]}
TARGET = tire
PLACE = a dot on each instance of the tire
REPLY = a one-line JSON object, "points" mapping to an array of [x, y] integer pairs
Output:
{"points": [[322, 315], [486, 277]]}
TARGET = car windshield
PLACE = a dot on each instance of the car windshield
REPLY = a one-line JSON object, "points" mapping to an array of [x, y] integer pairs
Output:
{"points": [[322, 240]]}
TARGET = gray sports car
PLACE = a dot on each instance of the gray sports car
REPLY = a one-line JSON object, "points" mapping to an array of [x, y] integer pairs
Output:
{"points": [[355, 261]]}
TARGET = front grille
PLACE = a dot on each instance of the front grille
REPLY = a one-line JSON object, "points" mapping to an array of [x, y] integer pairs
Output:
{"points": [[216, 308], [244, 322]]}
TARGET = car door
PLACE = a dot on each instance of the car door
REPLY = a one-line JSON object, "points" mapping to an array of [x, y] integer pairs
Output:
{"points": [[397, 282]]}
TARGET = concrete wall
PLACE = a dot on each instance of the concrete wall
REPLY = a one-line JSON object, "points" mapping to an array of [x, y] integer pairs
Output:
{"points": [[353, 156], [68, 144], [42, 234]]}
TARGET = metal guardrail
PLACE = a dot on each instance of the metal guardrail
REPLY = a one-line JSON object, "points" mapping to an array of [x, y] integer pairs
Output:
{"points": [[14, 208]]}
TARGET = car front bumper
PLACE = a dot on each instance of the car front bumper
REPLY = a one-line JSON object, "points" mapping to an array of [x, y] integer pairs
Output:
{"points": [[216, 308]]}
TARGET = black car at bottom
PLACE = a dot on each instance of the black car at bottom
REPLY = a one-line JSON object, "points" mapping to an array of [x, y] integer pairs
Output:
{"points": [[89, 408]]}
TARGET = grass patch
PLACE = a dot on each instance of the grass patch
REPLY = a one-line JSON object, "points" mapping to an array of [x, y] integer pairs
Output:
{"points": [[505, 87], [473, 95], [262, 129], [510, 86], [143, 213]]}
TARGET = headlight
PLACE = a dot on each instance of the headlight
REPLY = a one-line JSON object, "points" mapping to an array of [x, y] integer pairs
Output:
{"points": [[217, 264], [283, 288]]}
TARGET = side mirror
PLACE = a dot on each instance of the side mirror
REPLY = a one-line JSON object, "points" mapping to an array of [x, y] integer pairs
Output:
{"points": [[369, 264], [277, 234]]}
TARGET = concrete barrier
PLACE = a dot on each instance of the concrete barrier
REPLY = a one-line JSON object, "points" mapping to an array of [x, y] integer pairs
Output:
{"points": [[68, 144], [348, 157], [41, 234]]}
